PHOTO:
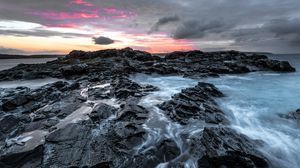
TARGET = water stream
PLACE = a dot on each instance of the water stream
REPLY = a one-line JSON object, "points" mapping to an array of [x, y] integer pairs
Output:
{"points": [[159, 127]]}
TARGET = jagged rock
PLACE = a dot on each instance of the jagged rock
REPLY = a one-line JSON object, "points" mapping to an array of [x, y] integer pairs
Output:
{"points": [[295, 115], [24, 151], [77, 69], [12, 104], [127, 61], [65, 146], [165, 151], [123, 88], [102, 111], [8, 123], [195, 103], [223, 147], [274, 65]]}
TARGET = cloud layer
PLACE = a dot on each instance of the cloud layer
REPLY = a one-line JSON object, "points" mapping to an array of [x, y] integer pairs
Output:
{"points": [[256, 25]]}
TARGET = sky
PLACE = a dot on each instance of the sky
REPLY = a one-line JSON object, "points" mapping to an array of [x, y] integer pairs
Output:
{"points": [[60, 26]]}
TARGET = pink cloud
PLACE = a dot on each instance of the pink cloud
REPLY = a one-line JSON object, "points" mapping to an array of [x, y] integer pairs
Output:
{"points": [[85, 10], [118, 13], [81, 2], [62, 25], [53, 15]]}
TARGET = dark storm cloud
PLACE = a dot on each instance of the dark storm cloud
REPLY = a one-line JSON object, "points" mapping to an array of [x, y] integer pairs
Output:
{"points": [[279, 33], [163, 21], [103, 40], [256, 23], [286, 29], [197, 29]]}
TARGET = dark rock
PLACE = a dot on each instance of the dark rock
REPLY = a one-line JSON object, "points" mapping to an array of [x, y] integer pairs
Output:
{"points": [[164, 151], [274, 65], [13, 102], [295, 115], [195, 103], [223, 147], [23, 154], [31, 158], [66, 145], [77, 69], [8, 123], [102, 111], [124, 88], [70, 132]]}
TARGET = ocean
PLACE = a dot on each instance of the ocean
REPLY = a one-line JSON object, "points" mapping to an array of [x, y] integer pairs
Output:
{"points": [[253, 104], [9, 63]]}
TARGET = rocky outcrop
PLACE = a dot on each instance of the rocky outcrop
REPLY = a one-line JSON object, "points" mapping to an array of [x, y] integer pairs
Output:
{"points": [[195, 103], [123, 88], [95, 120], [295, 116], [127, 61], [223, 147]]}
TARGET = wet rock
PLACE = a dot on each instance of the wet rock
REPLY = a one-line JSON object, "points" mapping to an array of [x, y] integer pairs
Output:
{"points": [[165, 151], [15, 158], [195, 103], [96, 93], [295, 115], [70, 132], [77, 69], [274, 65], [223, 147], [8, 123], [182, 55], [65, 146], [130, 111], [123, 88], [102, 111], [23, 151], [12, 103]]}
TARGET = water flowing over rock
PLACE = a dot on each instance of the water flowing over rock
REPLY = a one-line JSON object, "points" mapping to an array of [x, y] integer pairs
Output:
{"points": [[94, 118]]}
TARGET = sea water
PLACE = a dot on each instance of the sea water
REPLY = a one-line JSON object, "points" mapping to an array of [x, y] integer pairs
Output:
{"points": [[253, 103]]}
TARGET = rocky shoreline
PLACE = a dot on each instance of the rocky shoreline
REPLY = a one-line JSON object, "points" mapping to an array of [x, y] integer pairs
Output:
{"points": [[94, 119]]}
